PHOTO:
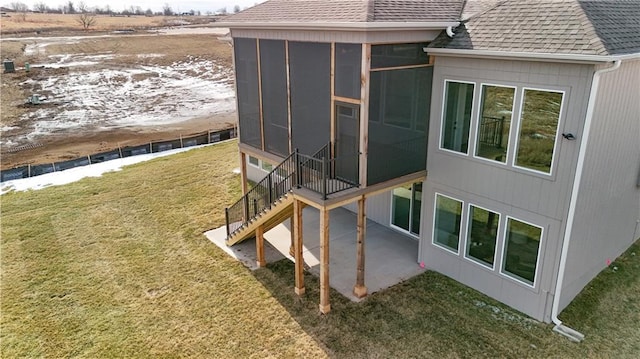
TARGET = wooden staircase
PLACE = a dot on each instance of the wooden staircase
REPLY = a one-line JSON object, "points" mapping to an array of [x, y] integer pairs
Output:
{"points": [[270, 201], [268, 218]]}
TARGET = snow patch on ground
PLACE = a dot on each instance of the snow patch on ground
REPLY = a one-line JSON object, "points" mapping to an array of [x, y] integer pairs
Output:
{"points": [[78, 173], [143, 95]]}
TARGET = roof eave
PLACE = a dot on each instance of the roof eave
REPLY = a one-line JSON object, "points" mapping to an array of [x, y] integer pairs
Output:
{"points": [[342, 26], [540, 56]]}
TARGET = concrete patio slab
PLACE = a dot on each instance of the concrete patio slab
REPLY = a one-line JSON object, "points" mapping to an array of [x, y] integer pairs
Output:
{"points": [[390, 256]]}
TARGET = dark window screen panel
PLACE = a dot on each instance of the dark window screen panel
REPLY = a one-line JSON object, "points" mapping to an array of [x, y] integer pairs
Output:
{"points": [[398, 120], [348, 64], [309, 68], [246, 61], [274, 96], [394, 55]]}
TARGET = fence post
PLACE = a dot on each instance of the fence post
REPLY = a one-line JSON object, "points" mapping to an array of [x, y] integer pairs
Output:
{"points": [[324, 178], [151, 147], [89, 158], [29, 170], [181, 144], [226, 219], [119, 150]]}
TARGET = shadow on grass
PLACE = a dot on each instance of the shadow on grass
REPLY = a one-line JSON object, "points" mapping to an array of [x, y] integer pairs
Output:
{"points": [[428, 315]]}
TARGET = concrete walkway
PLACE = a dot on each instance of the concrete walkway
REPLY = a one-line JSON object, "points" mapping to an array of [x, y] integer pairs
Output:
{"points": [[390, 256]]}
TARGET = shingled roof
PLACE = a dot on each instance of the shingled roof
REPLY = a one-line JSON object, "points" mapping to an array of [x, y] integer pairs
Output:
{"points": [[584, 27], [355, 11]]}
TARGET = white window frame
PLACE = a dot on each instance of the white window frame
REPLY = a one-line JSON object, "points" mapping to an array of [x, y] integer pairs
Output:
{"points": [[262, 163], [251, 164], [442, 118], [469, 221], [556, 144], [478, 117], [412, 203], [463, 229], [504, 253]]}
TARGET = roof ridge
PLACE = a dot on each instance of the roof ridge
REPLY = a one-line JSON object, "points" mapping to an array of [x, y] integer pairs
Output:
{"points": [[596, 41], [370, 14], [478, 14]]}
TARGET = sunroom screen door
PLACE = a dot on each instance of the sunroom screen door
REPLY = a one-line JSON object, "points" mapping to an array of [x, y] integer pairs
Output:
{"points": [[347, 141]]}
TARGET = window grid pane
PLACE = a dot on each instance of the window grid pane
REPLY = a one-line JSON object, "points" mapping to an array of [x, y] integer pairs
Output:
{"points": [[457, 116], [538, 129], [522, 244], [446, 229], [267, 166], [492, 139], [482, 235]]}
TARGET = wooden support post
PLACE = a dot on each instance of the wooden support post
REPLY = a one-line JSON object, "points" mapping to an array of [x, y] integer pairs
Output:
{"points": [[297, 235], [360, 290], [365, 79], [260, 261], [293, 232], [243, 172], [325, 307]]}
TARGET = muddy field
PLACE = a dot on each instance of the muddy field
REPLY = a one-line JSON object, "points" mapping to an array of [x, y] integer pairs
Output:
{"points": [[98, 92]]}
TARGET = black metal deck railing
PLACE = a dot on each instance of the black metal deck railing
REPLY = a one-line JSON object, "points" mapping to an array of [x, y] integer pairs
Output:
{"points": [[491, 131], [317, 173]]}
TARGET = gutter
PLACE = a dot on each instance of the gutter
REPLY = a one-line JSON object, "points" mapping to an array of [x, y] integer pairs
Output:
{"points": [[559, 327], [348, 26], [530, 55]]}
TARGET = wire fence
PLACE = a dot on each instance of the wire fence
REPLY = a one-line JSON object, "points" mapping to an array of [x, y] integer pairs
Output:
{"points": [[121, 152]]}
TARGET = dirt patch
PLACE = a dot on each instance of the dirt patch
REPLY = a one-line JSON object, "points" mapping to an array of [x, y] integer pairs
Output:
{"points": [[65, 146], [98, 93]]}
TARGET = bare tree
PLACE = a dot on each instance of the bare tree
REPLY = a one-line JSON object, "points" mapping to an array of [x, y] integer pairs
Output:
{"points": [[41, 7], [20, 8], [70, 8], [222, 11], [236, 9], [166, 10], [82, 7], [86, 20]]}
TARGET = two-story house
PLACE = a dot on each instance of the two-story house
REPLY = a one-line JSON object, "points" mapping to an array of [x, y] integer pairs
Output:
{"points": [[504, 136]]}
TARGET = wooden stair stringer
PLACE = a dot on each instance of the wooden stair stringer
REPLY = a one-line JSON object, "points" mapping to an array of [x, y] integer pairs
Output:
{"points": [[269, 218]]}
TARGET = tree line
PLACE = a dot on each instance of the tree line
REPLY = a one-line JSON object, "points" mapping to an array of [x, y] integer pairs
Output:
{"points": [[81, 7]]}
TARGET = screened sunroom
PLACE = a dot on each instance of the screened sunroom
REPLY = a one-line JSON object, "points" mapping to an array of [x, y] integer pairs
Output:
{"points": [[367, 105]]}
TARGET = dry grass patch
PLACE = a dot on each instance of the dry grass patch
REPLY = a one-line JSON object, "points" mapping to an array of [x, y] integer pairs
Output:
{"points": [[36, 22], [118, 267]]}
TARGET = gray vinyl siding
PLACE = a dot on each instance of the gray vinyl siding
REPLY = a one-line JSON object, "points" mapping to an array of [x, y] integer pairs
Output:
{"points": [[524, 195], [255, 174], [608, 206], [378, 208], [357, 37]]}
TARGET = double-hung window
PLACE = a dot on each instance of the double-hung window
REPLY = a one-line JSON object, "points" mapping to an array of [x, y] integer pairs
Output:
{"points": [[539, 120], [494, 122], [456, 119]]}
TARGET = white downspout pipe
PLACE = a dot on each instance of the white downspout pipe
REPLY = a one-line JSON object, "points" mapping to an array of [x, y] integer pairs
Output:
{"points": [[450, 32], [559, 327]]}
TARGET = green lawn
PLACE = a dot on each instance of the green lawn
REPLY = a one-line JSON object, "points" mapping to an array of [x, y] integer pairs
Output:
{"points": [[118, 267]]}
